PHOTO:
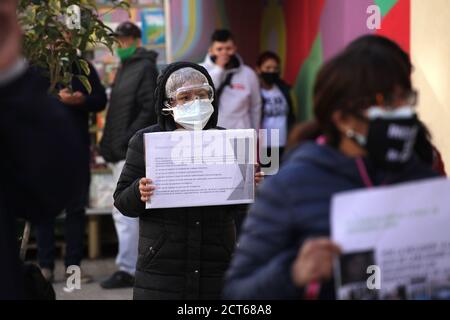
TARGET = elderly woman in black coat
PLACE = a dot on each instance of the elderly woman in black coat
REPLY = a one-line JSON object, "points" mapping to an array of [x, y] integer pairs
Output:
{"points": [[183, 252]]}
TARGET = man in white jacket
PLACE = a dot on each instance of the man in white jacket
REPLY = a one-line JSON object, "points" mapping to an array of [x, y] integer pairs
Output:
{"points": [[237, 85]]}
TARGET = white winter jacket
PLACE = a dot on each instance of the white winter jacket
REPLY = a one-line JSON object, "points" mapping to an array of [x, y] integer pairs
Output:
{"points": [[240, 103]]}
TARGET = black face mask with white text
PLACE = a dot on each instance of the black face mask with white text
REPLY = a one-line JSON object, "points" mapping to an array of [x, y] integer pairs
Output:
{"points": [[391, 137]]}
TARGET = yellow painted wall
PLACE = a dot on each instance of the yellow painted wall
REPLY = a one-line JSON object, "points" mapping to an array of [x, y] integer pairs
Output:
{"points": [[430, 50]]}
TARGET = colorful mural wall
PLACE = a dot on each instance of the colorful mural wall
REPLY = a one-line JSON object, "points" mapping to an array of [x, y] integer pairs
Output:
{"points": [[303, 32], [315, 30], [193, 21], [189, 24]]}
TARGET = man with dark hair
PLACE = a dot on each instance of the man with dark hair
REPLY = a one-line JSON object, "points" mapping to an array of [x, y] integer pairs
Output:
{"points": [[131, 109], [237, 85]]}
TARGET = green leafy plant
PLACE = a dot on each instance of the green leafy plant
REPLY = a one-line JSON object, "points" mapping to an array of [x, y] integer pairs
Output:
{"points": [[55, 45]]}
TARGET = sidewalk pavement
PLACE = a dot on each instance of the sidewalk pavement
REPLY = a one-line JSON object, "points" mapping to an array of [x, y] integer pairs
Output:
{"points": [[99, 269]]}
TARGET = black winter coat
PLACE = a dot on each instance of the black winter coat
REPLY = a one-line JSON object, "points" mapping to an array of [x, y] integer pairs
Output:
{"points": [[94, 102], [131, 105], [40, 152], [183, 252]]}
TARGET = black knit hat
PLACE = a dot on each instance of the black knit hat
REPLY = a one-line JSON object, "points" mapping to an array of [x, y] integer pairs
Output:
{"points": [[128, 29]]}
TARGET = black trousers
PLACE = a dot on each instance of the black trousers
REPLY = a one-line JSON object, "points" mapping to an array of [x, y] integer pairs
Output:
{"points": [[74, 231]]}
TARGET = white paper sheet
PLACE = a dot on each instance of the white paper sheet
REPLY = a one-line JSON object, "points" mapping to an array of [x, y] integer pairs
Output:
{"points": [[404, 230], [201, 168]]}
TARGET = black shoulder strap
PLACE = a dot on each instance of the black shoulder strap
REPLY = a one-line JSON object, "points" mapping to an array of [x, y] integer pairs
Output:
{"points": [[227, 82]]}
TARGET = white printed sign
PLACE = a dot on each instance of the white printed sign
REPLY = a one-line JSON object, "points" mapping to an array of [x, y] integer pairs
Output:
{"points": [[395, 241]]}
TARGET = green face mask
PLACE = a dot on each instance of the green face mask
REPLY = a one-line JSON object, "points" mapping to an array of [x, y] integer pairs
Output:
{"points": [[125, 53]]}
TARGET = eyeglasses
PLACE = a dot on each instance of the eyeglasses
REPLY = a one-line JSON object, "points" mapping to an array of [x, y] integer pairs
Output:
{"points": [[189, 94], [409, 98]]}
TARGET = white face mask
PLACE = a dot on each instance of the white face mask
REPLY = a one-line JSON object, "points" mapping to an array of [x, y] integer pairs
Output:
{"points": [[193, 115]]}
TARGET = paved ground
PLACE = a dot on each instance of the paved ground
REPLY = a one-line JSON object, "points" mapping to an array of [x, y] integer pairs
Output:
{"points": [[99, 270]]}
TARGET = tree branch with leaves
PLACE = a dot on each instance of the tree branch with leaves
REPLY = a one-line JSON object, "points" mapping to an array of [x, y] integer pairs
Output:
{"points": [[55, 44]]}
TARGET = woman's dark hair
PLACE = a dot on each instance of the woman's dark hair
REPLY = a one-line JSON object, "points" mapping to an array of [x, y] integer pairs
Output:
{"points": [[301, 133], [370, 40], [267, 55], [423, 146], [350, 82]]}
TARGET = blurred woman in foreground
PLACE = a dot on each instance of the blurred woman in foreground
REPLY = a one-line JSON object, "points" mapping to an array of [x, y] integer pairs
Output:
{"points": [[361, 97]]}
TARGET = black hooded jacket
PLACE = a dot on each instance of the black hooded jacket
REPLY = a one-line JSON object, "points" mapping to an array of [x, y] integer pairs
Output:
{"points": [[131, 106], [183, 252]]}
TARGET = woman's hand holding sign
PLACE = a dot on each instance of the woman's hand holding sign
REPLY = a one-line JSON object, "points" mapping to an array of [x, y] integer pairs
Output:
{"points": [[146, 189]]}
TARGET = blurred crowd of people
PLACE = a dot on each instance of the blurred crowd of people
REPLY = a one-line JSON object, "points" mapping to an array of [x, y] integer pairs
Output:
{"points": [[284, 249]]}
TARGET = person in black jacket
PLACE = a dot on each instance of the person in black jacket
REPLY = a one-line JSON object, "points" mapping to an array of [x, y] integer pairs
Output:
{"points": [[39, 166], [80, 104], [277, 110], [183, 252], [131, 108]]}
